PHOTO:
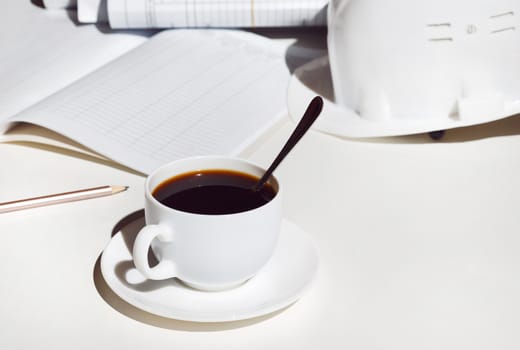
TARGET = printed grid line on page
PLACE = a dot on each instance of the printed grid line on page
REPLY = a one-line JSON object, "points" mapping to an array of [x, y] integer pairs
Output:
{"points": [[180, 116], [134, 112], [92, 92], [229, 88], [100, 91], [153, 109], [178, 89], [51, 70], [189, 104], [143, 144], [214, 137]]}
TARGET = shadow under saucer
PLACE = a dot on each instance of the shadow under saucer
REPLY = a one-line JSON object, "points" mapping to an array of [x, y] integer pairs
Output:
{"points": [[128, 228]]}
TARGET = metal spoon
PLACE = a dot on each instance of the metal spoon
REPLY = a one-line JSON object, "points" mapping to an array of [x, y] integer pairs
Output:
{"points": [[310, 115]]}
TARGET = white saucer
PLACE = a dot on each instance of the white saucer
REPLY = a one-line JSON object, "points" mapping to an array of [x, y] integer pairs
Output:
{"points": [[280, 283], [314, 79]]}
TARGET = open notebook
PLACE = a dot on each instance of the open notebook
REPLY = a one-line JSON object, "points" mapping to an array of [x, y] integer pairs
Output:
{"points": [[141, 100]]}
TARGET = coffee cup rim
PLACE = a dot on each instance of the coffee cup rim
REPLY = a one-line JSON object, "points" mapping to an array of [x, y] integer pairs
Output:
{"points": [[273, 180]]}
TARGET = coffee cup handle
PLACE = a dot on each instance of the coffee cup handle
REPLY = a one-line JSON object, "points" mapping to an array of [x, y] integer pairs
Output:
{"points": [[165, 268]]}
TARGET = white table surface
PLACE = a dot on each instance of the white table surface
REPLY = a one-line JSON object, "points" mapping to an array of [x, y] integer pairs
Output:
{"points": [[419, 249]]}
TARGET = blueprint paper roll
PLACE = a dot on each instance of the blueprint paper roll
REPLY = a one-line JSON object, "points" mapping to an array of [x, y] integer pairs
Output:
{"points": [[215, 13]]}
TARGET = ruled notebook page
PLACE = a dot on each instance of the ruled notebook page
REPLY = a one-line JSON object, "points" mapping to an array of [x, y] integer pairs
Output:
{"points": [[182, 93], [44, 51], [215, 13]]}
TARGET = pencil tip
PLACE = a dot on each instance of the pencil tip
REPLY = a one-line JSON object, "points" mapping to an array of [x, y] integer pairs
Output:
{"points": [[117, 189]]}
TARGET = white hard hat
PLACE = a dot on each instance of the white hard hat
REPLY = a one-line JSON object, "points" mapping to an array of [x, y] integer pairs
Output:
{"points": [[408, 66]]}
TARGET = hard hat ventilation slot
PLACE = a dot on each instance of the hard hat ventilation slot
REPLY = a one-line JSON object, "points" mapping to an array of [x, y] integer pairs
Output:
{"points": [[441, 28]]}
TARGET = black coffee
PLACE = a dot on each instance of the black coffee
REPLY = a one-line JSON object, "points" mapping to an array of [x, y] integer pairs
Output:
{"points": [[213, 192]]}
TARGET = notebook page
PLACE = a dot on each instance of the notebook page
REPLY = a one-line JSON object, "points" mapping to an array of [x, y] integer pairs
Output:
{"points": [[215, 13], [182, 93], [44, 51]]}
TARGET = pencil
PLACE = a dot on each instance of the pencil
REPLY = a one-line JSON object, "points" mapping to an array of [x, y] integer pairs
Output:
{"points": [[64, 197]]}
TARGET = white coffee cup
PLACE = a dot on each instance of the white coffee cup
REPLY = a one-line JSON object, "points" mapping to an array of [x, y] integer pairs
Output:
{"points": [[206, 251]]}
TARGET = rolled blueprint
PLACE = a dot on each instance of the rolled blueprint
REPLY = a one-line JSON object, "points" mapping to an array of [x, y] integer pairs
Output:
{"points": [[216, 13]]}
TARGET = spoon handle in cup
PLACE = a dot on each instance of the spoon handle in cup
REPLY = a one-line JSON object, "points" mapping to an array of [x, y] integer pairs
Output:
{"points": [[311, 113]]}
